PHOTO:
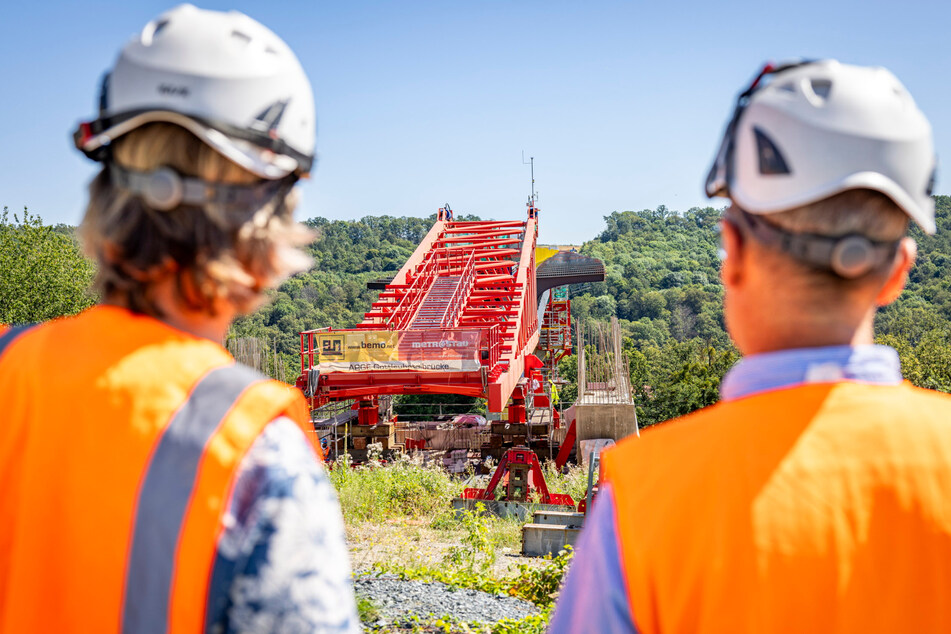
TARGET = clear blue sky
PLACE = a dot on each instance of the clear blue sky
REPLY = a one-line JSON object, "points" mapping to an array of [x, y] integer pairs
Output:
{"points": [[419, 103]]}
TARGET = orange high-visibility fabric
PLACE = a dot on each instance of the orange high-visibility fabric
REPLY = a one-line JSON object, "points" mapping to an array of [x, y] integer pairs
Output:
{"points": [[818, 508], [84, 402]]}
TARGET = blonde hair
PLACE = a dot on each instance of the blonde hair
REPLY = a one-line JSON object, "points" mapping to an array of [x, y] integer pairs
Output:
{"points": [[214, 252]]}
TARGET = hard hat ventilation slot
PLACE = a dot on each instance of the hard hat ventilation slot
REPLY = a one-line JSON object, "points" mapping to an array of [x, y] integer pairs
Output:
{"points": [[270, 117], [821, 88], [158, 27], [771, 161], [104, 94], [151, 30], [244, 38]]}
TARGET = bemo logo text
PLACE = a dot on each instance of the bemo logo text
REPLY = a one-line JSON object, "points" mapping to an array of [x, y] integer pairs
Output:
{"points": [[373, 346]]}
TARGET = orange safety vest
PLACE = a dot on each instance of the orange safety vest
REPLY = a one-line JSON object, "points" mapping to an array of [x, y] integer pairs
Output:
{"points": [[818, 508], [119, 443]]}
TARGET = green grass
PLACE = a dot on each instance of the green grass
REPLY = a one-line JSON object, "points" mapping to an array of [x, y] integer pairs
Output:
{"points": [[402, 488], [405, 488]]}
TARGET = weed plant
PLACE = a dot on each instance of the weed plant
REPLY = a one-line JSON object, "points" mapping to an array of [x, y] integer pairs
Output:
{"points": [[488, 531], [467, 566], [476, 550], [367, 610]]}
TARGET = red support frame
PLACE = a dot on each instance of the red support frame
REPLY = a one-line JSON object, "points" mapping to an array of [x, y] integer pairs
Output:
{"points": [[492, 264], [566, 446], [536, 481]]}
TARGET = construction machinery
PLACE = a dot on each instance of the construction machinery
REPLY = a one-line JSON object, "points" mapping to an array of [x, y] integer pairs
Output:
{"points": [[478, 310]]}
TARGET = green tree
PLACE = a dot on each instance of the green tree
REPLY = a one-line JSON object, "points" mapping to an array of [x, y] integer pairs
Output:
{"points": [[43, 273]]}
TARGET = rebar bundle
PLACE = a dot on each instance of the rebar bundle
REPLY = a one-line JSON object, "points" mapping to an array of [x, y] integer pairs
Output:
{"points": [[258, 354], [604, 374]]}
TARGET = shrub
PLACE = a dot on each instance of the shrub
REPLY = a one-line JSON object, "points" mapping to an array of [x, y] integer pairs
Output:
{"points": [[43, 273]]}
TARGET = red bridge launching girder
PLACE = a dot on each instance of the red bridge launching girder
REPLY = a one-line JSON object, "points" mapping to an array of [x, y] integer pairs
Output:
{"points": [[459, 318]]}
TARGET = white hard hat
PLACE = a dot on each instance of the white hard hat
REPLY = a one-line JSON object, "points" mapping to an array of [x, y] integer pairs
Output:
{"points": [[223, 76], [820, 128]]}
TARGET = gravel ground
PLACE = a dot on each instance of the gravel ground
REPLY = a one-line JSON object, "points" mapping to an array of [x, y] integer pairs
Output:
{"points": [[397, 599], [413, 543]]}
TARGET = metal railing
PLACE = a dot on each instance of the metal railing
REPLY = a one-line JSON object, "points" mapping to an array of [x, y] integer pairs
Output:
{"points": [[423, 280], [460, 296], [529, 322], [492, 345], [307, 351]]}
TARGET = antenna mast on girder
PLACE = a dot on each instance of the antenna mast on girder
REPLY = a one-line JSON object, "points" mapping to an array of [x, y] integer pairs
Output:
{"points": [[531, 161]]}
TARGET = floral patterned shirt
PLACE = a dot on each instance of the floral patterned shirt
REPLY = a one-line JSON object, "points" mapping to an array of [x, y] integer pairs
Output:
{"points": [[282, 563]]}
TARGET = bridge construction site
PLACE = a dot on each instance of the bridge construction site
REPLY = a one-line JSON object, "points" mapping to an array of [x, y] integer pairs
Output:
{"points": [[479, 311]]}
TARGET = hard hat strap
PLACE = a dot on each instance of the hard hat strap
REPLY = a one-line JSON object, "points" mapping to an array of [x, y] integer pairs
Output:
{"points": [[165, 189], [848, 256]]}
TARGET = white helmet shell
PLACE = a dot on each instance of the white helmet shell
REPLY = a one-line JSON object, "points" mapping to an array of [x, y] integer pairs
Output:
{"points": [[831, 127], [223, 76]]}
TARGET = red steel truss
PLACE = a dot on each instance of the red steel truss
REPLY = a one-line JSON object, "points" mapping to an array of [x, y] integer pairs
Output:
{"points": [[461, 312]]}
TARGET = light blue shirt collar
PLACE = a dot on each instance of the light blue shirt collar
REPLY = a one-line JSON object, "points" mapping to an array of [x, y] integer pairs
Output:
{"points": [[787, 368]]}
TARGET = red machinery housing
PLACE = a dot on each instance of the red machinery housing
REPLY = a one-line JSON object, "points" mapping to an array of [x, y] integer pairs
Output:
{"points": [[460, 317]]}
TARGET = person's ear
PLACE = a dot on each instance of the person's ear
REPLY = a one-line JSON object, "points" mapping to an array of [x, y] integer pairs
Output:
{"points": [[898, 277], [731, 241]]}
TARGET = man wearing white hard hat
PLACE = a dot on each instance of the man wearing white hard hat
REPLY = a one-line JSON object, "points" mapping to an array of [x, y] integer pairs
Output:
{"points": [[150, 483], [816, 495]]}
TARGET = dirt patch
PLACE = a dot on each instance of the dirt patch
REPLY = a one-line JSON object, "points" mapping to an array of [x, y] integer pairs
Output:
{"points": [[412, 542]]}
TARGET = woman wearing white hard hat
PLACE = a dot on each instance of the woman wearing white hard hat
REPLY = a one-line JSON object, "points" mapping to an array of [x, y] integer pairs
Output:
{"points": [[151, 484]]}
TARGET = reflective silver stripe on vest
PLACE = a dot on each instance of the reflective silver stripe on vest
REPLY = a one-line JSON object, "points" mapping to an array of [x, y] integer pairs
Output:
{"points": [[164, 495], [7, 337]]}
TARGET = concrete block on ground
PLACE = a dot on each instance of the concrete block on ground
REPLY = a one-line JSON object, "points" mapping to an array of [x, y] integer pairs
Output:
{"points": [[539, 540], [570, 519], [522, 510]]}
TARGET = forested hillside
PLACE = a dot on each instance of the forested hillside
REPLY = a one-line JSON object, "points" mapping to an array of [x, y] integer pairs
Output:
{"points": [[919, 323], [662, 282]]}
